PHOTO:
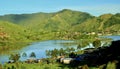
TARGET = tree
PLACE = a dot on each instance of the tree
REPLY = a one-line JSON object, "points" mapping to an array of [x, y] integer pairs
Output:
{"points": [[24, 55], [72, 55], [84, 43], [72, 49], [48, 53], [79, 46], [54, 52], [14, 57], [62, 52], [32, 55], [96, 43], [67, 49]]}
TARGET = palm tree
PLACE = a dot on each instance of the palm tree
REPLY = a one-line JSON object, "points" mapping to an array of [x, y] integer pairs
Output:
{"points": [[24, 55], [79, 46], [14, 57], [33, 55]]}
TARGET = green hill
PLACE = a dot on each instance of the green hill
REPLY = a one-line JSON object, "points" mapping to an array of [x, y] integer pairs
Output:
{"points": [[12, 36], [113, 23], [12, 33], [65, 20], [17, 30], [61, 20]]}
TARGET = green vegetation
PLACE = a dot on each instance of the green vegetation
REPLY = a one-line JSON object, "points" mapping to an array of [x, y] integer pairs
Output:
{"points": [[32, 55], [24, 55], [50, 63], [59, 52], [97, 43], [14, 57], [54, 65], [33, 66], [13, 36], [17, 31], [65, 20]]}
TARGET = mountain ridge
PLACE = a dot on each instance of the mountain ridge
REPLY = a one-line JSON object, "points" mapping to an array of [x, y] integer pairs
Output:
{"points": [[65, 20]]}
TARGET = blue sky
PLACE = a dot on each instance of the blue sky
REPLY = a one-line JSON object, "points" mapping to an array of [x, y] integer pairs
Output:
{"points": [[94, 7]]}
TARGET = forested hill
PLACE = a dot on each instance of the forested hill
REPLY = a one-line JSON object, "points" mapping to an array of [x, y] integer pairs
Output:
{"points": [[65, 20]]}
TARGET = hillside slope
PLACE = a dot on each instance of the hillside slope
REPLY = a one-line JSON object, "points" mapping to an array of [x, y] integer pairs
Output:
{"points": [[12, 32], [65, 20]]}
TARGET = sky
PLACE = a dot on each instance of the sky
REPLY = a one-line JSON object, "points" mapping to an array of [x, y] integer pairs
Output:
{"points": [[94, 7]]}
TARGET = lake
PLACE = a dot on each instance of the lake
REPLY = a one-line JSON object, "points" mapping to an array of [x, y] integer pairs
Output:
{"points": [[39, 48], [114, 38]]}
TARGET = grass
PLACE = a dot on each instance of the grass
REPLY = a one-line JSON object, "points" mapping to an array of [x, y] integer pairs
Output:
{"points": [[33, 66], [12, 47], [55, 65]]}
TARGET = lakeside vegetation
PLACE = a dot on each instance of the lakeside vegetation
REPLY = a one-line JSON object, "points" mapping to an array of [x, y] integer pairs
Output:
{"points": [[52, 62]]}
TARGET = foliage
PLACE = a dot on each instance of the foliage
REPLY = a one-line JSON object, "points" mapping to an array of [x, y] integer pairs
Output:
{"points": [[64, 20], [24, 55], [32, 55], [79, 46], [55, 66], [97, 43], [72, 55], [14, 57], [33, 66], [111, 65], [59, 52]]}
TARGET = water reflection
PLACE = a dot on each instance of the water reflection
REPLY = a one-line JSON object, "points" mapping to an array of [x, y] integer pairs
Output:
{"points": [[39, 49], [114, 38]]}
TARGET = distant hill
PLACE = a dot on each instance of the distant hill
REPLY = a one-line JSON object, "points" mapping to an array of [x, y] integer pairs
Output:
{"points": [[12, 32], [65, 20], [17, 30], [113, 23]]}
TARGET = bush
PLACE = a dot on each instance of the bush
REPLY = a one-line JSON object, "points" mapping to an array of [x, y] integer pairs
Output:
{"points": [[96, 43]]}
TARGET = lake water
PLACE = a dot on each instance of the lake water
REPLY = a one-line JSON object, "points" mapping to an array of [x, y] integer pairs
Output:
{"points": [[39, 48], [114, 38]]}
